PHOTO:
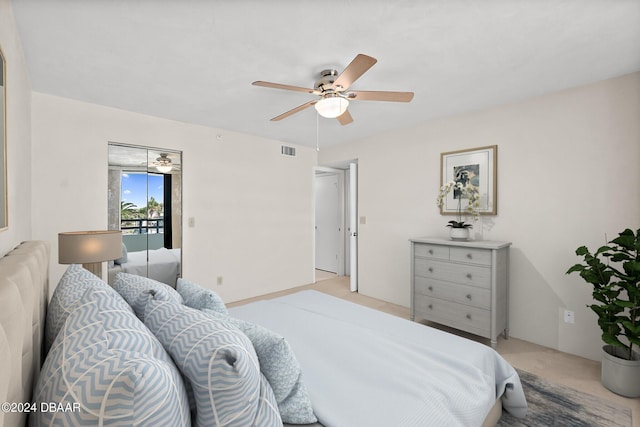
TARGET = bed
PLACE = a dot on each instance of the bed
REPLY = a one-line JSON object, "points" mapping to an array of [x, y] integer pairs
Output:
{"points": [[354, 361], [363, 367], [160, 264], [24, 291]]}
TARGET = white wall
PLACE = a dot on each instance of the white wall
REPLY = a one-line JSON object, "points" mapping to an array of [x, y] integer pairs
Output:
{"points": [[567, 175], [18, 132], [253, 207]]}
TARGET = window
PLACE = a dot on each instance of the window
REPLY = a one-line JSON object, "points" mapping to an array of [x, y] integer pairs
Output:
{"points": [[142, 203]]}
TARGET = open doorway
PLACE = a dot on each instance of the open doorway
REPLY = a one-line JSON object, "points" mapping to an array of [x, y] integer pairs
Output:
{"points": [[335, 225]]}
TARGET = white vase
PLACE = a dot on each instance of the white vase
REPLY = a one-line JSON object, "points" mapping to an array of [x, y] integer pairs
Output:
{"points": [[620, 375], [459, 234]]}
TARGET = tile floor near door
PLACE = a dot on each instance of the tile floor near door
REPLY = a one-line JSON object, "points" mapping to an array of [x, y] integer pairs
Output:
{"points": [[557, 367]]}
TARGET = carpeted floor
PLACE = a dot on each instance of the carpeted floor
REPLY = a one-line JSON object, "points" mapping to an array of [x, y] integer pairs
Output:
{"points": [[553, 405]]}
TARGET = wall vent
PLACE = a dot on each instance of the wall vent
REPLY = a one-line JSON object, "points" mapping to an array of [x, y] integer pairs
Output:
{"points": [[285, 150]]}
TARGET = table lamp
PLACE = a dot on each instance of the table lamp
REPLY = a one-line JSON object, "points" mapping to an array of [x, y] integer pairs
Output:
{"points": [[89, 248]]}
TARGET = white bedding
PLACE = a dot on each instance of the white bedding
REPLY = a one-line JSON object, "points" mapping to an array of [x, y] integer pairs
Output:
{"points": [[365, 368], [163, 265]]}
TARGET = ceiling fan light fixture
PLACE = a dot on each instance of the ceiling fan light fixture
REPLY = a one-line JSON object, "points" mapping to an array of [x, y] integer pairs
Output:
{"points": [[163, 163], [332, 106]]}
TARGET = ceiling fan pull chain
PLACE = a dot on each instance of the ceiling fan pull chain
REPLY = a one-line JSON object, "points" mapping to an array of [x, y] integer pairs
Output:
{"points": [[317, 132]]}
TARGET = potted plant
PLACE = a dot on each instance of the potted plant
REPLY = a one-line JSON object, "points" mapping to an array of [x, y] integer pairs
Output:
{"points": [[459, 230], [614, 273]]}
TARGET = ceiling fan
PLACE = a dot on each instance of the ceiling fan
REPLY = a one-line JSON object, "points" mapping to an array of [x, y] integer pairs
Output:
{"points": [[334, 93], [163, 163]]}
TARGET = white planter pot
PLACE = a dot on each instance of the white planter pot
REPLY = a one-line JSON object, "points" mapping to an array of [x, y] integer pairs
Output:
{"points": [[460, 234], [620, 375]]}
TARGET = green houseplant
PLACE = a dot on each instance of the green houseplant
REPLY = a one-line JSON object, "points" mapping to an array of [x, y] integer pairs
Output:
{"points": [[613, 271]]}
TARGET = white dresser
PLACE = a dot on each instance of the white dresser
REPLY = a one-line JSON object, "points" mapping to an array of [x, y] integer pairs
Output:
{"points": [[463, 285]]}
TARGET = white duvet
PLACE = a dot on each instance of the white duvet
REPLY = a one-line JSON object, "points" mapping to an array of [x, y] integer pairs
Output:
{"points": [[365, 368]]}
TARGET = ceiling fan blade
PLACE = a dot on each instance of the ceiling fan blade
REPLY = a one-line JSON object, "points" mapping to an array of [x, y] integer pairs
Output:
{"points": [[373, 95], [345, 118], [360, 64], [294, 110], [285, 87]]}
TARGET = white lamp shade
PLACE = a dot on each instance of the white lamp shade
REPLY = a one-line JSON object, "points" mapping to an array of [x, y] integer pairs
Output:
{"points": [[84, 247], [164, 168], [332, 106]]}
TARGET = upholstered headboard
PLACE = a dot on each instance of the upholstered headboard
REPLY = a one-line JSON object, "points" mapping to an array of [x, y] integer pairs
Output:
{"points": [[24, 293]]}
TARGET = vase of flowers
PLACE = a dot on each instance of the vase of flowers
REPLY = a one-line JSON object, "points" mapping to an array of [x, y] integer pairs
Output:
{"points": [[459, 229]]}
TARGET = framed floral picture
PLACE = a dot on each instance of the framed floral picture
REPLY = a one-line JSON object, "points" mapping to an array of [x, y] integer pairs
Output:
{"points": [[476, 167]]}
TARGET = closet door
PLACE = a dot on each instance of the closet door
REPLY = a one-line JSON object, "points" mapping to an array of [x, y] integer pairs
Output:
{"points": [[145, 195]]}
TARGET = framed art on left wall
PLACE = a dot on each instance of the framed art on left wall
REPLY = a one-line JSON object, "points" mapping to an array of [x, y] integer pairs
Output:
{"points": [[476, 166], [4, 209]]}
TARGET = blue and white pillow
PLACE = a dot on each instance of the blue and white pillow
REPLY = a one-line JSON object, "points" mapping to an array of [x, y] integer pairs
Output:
{"points": [[198, 297], [219, 363], [281, 368], [107, 369], [137, 290], [74, 285]]}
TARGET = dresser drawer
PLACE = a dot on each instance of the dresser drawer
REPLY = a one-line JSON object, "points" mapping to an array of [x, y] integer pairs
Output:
{"points": [[431, 251], [459, 316], [471, 275], [469, 295], [470, 255]]}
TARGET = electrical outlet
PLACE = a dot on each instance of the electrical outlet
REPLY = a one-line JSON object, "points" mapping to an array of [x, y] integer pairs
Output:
{"points": [[569, 316], [219, 280]]}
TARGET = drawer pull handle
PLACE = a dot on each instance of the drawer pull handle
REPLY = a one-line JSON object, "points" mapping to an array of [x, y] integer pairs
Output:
{"points": [[469, 256], [469, 316], [430, 306], [469, 276], [430, 288], [430, 251], [469, 297], [430, 269]]}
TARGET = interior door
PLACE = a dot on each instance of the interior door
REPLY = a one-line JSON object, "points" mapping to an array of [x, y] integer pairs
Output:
{"points": [[353, 226], [327, 225]]}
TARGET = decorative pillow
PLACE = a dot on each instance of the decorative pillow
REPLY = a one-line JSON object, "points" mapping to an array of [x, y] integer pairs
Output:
{"points": [[124, 258], [106, 368], [281, 368], [195, 296], [137, 290], [75, 283], [219, 363]]}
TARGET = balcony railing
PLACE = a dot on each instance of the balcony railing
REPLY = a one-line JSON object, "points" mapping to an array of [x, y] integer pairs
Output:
{"points": [[142, 226]]}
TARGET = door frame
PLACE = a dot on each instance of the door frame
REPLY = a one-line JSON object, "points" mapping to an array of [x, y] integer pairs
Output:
{"points": [[343, 167]]}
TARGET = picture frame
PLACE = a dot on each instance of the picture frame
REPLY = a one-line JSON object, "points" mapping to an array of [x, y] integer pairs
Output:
{"points": [[4, 198], [478, 165]]}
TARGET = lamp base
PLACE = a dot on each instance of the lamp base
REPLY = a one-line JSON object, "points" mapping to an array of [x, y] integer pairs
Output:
{"points": [[94, 267]]}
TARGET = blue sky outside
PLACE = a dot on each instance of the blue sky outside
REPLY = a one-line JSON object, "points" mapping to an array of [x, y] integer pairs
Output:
{"points": [[134, 188]]}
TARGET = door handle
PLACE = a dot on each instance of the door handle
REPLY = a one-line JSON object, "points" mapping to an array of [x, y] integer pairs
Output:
{"points": [[354, 234]]}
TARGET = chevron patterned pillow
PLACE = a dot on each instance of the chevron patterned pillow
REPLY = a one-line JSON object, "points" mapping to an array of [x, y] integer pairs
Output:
{"points": [[280, 367], [106, 368], [136, 290], [75, 283], [219, 363]]}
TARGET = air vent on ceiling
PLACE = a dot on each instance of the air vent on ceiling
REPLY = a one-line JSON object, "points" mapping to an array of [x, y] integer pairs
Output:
{"points": [[285, 150]]}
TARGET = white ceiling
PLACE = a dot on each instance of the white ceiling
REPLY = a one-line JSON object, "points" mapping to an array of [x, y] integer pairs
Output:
{"points": [[194, 61]]}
